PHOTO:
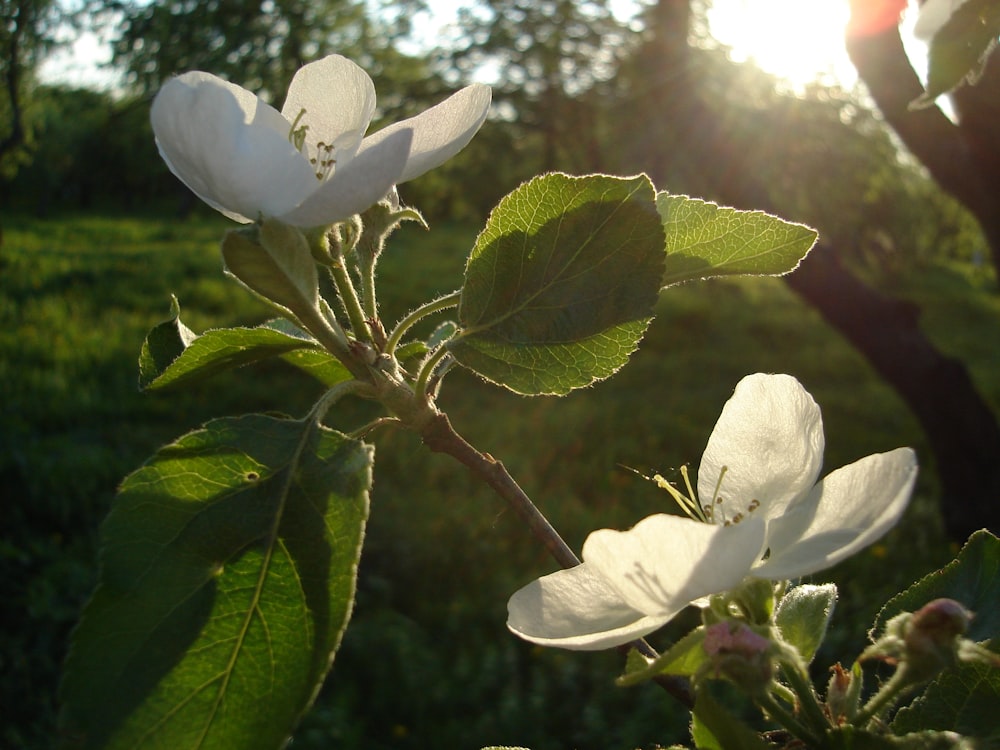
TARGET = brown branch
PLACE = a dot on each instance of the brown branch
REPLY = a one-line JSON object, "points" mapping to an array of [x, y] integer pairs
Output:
{"points": [[439, 435], [935, 140]]}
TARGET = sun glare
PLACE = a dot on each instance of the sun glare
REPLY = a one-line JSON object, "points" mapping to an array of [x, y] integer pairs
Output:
{"points": [[799, 41]]}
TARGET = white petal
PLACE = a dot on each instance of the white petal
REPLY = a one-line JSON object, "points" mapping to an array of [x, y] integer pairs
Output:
{"points": [[441, 131], [933, 15], [336, 100], [575, 609], [229, 147], [847, 511], [769, 438], [664, 563], [364, 181]]}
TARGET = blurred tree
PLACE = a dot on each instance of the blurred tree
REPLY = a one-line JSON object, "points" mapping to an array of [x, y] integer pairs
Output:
{"points": [[686, 132], [548, 59], [27, 32], [98, 153], [258, 43]]}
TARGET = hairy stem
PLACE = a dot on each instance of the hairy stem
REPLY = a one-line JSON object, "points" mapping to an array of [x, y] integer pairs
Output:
{"points": [[427, 367], [366, 265], [442, 303], [349, 297], [786, 719], [809, 704]]}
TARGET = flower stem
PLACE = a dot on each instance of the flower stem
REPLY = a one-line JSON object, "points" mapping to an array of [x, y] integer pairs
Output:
{"points": [[885, 698], [349, 297], [441, 303], [786, 719], [427, 369], [366, 266], [808, 701]]}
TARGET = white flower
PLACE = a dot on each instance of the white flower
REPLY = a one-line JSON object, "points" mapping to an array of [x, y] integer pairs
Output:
{"points": [[934, 14], [763, 516], [310, 164]]}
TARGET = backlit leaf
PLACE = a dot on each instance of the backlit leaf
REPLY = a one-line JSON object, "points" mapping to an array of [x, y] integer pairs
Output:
{"points": [[958, 51], [561, 283], [225, 348], [228, 569], [706, 240]]}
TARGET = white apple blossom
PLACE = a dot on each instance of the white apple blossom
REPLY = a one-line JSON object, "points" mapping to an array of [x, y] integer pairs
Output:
{"points": [[762, 515], [310, 164], [934, 14]]}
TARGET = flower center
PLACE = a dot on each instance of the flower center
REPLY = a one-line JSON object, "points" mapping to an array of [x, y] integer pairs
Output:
{"points": [[324, 161], [712, 512]]}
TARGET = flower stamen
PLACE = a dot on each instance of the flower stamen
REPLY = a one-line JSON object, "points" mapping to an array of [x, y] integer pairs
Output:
{"points": [[297, 135], [324, 160]]}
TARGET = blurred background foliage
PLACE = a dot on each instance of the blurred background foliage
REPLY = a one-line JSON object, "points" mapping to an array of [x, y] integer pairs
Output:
{"points": [[96, 234]]}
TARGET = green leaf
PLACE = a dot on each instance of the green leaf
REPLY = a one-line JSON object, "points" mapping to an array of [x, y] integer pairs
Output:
{"points": [[962, 700], [227, 578], [972, 579], [714, 728], [561, 283], [163, 345], [326, 368], [803, 615], [684, 657], [225, 348], [274, 261], [705, 240], [959, 50]]}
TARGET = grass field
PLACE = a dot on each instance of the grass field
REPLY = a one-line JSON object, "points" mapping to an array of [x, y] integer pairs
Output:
{"points": [[427, 661]]}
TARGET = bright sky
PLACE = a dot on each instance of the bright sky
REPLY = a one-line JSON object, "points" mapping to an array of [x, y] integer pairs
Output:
{"points": [[798, 40]]}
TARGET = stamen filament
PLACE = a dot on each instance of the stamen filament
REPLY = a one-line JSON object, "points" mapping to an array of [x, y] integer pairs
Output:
{"points": [[297, 135]]}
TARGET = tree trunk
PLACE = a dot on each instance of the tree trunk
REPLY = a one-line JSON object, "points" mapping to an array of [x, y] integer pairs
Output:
{"points": [[961, 429], [963, 158]]}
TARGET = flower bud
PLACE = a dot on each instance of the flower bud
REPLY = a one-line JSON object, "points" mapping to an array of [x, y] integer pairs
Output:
{"points": [[843, 693], [739, 654], [929, 641], [931, 635]]}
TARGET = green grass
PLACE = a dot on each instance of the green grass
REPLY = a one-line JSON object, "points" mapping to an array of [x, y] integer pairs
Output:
{"points": [[427, 661]]}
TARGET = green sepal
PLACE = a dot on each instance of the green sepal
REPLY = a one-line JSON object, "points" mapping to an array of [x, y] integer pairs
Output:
{"points": [[228, 567], [561, 283], [164, 343], [685, 657], [274, 261], [803, 615], [704, 240], [959, 50]]}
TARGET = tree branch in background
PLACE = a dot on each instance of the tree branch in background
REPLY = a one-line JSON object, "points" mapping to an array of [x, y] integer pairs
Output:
{"points": [[13, 30], [962, 158]]}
